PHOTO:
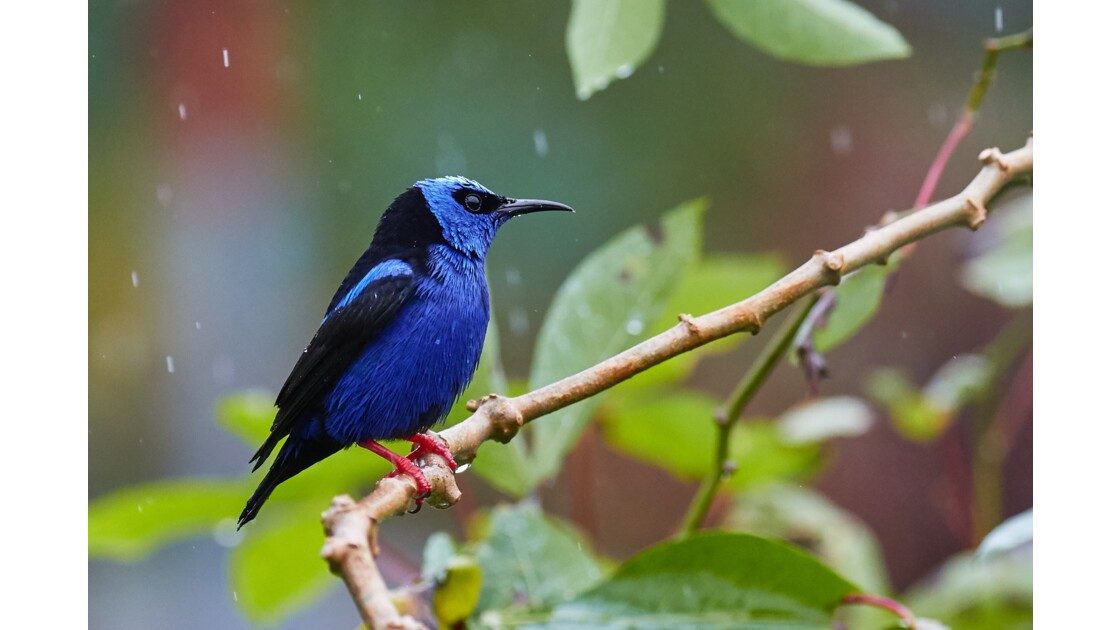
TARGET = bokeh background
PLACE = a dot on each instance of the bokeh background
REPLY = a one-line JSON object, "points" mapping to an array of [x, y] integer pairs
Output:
{"points": [[230, 191]]}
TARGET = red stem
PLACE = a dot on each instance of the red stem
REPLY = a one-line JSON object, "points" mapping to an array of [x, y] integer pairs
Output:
{"points": [[959, 131], [885, 603]]}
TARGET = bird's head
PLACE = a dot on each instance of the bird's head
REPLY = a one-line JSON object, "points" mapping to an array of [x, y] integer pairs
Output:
{"points": [[469, 214]]}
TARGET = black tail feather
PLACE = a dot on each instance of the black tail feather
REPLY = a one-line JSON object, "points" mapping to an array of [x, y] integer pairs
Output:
{"points": [[295, 456]]}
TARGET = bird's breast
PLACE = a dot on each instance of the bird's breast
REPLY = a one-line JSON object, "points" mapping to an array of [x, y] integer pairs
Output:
{"points": [[409, 376]]}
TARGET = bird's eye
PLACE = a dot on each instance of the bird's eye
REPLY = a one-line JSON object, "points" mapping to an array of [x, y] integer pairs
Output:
{"points": [[473, 202]]}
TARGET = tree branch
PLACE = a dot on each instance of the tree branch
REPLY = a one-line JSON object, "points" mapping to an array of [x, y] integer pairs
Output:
{"points": [[351, 544]]}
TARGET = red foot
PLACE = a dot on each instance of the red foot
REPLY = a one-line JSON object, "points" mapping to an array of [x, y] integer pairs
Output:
{"points": [[428, 443], [403, 465]]}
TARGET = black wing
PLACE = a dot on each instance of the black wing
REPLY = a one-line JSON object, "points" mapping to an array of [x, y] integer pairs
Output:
{"points": [[340, 340]]}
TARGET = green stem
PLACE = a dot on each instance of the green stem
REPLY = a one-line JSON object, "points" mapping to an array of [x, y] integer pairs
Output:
{"points": [[989, 450], [729, 413]]}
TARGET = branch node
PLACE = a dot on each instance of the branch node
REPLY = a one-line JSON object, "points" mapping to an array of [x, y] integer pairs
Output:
{"points": [[505, 418], [689, 323], [994, 156], [978, 215], [833, 265]]}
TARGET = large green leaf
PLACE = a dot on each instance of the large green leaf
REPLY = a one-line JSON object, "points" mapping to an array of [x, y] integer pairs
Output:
{"points": [[676, 432], [712, 580], [132, 522], [814, 32], [532, 559], [603, 307], [809, 519], [277, 570], [608, 39]]}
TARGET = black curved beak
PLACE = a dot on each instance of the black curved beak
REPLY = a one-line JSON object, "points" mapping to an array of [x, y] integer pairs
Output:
{"points": [[514, 207]]}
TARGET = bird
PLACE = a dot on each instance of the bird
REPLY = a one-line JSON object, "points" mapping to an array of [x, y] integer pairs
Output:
{"points": [[401, 337]]}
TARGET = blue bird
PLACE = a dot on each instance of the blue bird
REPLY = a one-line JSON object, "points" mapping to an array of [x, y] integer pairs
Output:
{"points": [[401, 338]]}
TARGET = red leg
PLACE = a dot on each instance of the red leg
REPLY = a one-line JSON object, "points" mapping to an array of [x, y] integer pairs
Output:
{"points": [[403, 464], [428, 443]]}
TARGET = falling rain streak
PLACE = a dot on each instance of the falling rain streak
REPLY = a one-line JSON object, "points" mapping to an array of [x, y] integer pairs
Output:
{"points": [[135, 280], [225, 57], [170, 364]]}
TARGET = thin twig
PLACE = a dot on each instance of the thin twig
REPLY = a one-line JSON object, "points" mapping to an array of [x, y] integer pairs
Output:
{"points": [[902, 612], [731, 411], [351, 534]]}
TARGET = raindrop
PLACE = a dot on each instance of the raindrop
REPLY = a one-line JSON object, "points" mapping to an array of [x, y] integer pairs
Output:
{"points": [[135, 280], [660, 69], [624, 71], [234, 595], [359, 96], [463, 468], [170, 364], [182, 111], [540, 142], [513, 277], [164, 195], [225, 57], [139, 508], [583, 93], [841, 138], [197, 326], [999, 19], [634, 326]]}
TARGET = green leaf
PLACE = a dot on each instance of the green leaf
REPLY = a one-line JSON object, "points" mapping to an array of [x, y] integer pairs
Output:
{"points": [[1008, 535], [130, 523], [608, 39], [712, 580], [457, 578], [528, 557], [438, 551], [603, 307], [676, 432], [713, 283], [813, 32], [277, 570], [824, 418], [810, 520], [857, 300], [248, 415], [911, 413], [960, 381], [1004, 273]]}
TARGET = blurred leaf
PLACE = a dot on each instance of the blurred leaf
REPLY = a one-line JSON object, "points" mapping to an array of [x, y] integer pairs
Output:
{"points": [[1004, 272], [609, 39], [277, 570], [922, 415], [130, 523], [814, 32], [438, 551], [821, 419], [857, 300], [910, 411], [248, 415], [1007, 536], [604, 306], [458, 592], [811, 521], [713, 283], [712, 580], [676, 432], [995, 593], [762, 455], [960, 381], [530, 558]]}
